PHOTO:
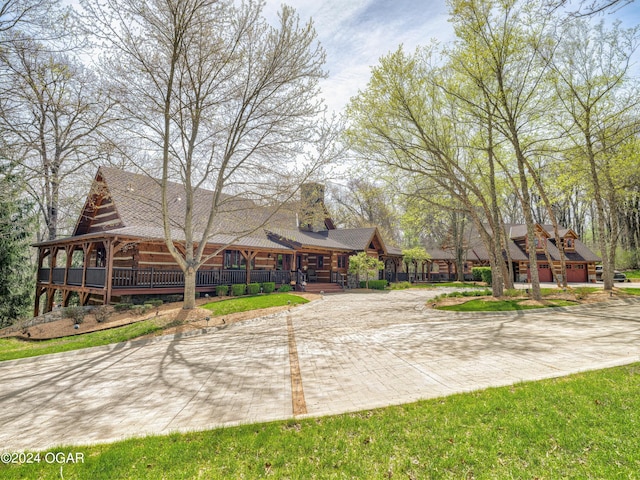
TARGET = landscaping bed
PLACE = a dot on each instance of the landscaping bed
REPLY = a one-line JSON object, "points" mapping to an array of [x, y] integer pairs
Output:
{"points": [[170, 316], [520, 300]]}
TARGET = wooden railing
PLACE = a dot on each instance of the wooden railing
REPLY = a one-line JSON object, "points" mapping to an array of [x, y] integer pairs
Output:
{"points": [[339, 278], [74, 276], [58, 276], [157, 278], [43, 275], [95, 277]]}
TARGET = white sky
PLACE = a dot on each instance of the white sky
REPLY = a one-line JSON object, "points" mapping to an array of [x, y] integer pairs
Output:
{"points": [[356, 33]]}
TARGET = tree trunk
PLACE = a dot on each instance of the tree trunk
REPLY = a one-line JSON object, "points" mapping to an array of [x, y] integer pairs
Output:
{"points": [[189, 289]]}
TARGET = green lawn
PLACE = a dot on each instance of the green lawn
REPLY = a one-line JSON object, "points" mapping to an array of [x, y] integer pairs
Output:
{"points": [[632, 273], [403, 285], [583, 426], [631, 290], [481, 305], [11, 348], [255, 302]]}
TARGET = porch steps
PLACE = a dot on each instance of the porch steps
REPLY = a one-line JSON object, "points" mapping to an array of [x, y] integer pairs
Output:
{"points": [[323, 287]]}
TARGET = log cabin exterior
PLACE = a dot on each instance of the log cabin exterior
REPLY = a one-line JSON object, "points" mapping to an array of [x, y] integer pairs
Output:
{"points": [[118, 250], [580, 261]]}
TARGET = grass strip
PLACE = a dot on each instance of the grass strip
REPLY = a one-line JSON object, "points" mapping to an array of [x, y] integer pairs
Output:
{"points": [[582, 426], [481, 305], [11, 348], [631, 290], [254, 302], [632, 273]]}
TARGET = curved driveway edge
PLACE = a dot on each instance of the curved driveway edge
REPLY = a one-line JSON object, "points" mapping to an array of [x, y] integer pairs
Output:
{"points": [[354, 351]]}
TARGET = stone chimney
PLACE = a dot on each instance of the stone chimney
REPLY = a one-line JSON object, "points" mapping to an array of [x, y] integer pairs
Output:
{"points": [[313, 214]]}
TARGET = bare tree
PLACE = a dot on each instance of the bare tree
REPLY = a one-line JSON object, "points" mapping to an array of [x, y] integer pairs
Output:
{"points": [[215, 97], [52, 111], [587, 8], [599, 105], [363, 203]]}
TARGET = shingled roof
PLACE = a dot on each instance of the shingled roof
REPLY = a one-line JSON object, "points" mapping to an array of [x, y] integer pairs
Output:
{"points": [[137, 200], [477, 251]]}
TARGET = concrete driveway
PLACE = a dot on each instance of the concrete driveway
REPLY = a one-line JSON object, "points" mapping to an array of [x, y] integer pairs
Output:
{"points": [[347, 352]]}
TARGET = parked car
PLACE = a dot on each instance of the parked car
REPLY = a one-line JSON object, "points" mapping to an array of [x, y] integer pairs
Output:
{"points": [[620, 277], [617, 276], [598, 273]]}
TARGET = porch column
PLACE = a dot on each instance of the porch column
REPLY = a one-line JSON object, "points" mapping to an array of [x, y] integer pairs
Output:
{"points": [[68, 250], [39, 289], [51, 292], [110, 249], [86, 250], [248, 256]]}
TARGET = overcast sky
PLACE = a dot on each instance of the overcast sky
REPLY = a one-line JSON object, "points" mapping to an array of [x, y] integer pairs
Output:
{"points": [[356, 33]]}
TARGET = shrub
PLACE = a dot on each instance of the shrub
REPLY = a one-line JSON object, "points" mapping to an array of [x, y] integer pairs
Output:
{"points": [[141, 309], [253, 288], [512, 292], [284, 288], [481, 274], [377, 284], [101, 313], [400, 285], [238, 289], [76, 314], [222, 290], [476, 293], [155, 302], [172, 298], [121, 307], [268, 287], [476, 273]]}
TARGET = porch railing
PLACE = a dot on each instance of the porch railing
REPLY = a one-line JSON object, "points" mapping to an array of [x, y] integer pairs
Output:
{"points": [[339, 278], [155, 278]]}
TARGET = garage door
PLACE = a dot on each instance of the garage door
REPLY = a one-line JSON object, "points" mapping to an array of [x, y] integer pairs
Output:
{"points": [[544, 272], [576, 272]]}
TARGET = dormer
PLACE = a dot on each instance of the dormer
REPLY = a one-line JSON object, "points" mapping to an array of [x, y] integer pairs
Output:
{"points": [[541, 238], [569, 241]]}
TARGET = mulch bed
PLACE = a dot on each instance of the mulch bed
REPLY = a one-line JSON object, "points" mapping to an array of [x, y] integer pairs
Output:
{"points": [[167, 314]]}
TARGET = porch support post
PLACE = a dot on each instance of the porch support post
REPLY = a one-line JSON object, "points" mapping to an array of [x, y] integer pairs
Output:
{"points": [[248, 256], [39, 290], [110, 249], [68, 250], [51, 292], [52, 262], [66, 295], [86, 250]]}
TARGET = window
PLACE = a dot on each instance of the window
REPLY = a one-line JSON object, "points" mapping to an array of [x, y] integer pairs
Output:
{"points": [[101, 257], [320, 261], [342, 261], [279, 262], [569, 243], [233, 260]]}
